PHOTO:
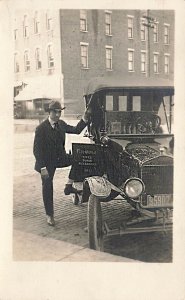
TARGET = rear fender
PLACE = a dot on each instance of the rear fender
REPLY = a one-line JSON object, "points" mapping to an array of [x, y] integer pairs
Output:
{"points": [[99, 186]]}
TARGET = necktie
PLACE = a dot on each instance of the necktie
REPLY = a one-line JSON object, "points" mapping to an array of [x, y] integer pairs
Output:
{"points": [[56, 125]]}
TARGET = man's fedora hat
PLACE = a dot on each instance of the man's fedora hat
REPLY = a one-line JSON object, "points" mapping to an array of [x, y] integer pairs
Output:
{"points": [[55, 105]]}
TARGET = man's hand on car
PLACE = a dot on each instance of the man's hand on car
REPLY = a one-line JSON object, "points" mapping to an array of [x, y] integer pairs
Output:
{"points": [[87, 114]]}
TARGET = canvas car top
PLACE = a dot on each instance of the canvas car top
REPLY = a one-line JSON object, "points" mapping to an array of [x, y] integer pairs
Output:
{"points": [[99, 83]]}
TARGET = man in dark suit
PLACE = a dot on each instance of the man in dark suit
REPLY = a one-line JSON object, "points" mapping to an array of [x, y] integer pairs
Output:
{"points": [[49, 152]]}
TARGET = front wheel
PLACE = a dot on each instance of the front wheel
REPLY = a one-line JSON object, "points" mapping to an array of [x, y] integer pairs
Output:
{"points": [[94, 221]]}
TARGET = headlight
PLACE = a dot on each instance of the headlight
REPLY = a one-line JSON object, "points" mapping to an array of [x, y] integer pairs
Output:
{"points": [[133, 187]]}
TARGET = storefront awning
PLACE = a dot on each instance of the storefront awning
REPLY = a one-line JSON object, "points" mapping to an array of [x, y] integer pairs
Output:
{"points": [[42, 87]]}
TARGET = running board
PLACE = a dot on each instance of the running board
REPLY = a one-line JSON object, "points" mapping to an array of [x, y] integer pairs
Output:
{"points": [[122, 231]]}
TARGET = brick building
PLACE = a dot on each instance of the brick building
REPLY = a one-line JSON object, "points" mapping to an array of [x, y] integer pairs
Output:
{"points": [[64, 49]]}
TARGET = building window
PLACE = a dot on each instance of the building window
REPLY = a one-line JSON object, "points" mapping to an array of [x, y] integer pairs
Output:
{"points": [[16, 63], [38, 59], [36, 23], [15, 29], [26, 61], [130, 60], [108, 57], [25, 27], [49, 22], [143, 61], [107, 23], [156, 62], [50, 56], [166, 63], [15, 34], [166, 33], [83, 20], [156, 32], [84, 55], [130, 27], [143, 30]]}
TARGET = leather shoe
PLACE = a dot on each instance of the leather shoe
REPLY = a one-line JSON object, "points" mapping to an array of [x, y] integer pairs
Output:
{"points": [[69, 189], [50, 221]]}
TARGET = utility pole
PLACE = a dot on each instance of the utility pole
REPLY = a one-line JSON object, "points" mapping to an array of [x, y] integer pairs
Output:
{"points": [[149, 23]]}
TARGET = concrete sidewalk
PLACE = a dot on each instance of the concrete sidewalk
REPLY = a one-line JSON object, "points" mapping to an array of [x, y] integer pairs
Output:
{"points": [[37, 248]]}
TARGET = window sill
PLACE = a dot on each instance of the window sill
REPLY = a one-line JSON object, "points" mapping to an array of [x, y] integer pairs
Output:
{"points": [[166, 44], [130, 38], [109, 70], [84, 68], [131, 71], [85, 31], [108, 35]]}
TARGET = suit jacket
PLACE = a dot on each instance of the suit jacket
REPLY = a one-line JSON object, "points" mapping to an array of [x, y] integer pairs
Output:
{"points": [[49, 144]]}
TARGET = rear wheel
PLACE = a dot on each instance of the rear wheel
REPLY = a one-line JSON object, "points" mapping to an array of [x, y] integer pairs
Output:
{"points": [[94, 220]]}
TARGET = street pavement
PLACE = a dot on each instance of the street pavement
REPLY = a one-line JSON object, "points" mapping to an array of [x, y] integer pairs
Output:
{"points": [[33, 239]]}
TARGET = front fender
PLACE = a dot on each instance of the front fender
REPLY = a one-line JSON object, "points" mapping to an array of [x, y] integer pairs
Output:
{"points": [[99, 186]]}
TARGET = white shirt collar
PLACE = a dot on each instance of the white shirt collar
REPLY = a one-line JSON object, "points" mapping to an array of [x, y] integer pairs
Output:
{"points": [[51, 122]]}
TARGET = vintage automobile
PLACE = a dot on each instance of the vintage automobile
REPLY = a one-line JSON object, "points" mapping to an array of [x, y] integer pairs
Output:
{"points": [[129, 156]]}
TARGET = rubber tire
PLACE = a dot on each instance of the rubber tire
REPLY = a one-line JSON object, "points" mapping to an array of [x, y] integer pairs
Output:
{"points": [[94, 221], [75, 199]]}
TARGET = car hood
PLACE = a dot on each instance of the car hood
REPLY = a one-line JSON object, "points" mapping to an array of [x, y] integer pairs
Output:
{"points": [[143, 152], [146, 150]]}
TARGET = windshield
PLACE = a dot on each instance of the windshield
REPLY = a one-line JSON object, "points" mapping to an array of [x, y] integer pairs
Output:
{"points": [[137, 111]]}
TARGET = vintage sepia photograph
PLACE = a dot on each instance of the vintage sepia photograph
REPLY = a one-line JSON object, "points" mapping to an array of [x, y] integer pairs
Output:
{"points": [[92, 150], [93, 114]]}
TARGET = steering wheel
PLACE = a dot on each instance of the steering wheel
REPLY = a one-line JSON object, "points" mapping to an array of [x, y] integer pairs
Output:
{"points": [[156, 122], [143, 125], [149, 124]]}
